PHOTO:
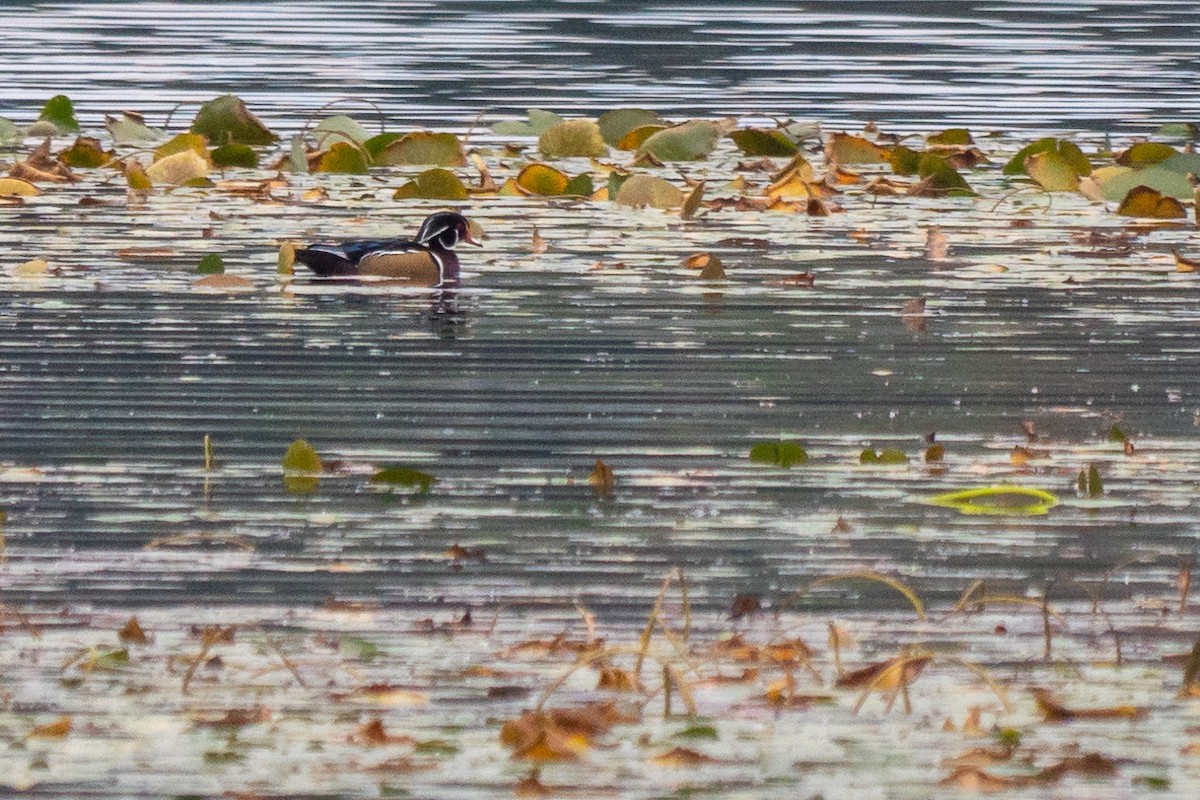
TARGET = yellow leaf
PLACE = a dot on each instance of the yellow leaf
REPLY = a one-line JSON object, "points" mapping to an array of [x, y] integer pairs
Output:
{"points": [[15, 187], [1052, 172], [223, 282], [542, 179], [602, 479], [34, 268], [845, 148], [178, 169], [53, 730]]}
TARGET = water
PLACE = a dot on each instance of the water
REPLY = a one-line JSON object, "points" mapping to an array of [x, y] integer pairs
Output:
{"points": [[113, 371]]}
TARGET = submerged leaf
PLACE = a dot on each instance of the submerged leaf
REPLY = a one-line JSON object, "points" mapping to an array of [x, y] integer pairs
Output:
{"points": [[433, 184], [418, 148], [572, 138], [226, 120], [396, 475], [778, 454], [1019, 500]]}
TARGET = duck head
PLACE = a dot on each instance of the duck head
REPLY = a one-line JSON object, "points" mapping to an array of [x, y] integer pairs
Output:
{"points": [[444, 230]]}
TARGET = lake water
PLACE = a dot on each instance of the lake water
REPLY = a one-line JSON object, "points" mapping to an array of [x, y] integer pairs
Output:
{"points": [[112, 373]]}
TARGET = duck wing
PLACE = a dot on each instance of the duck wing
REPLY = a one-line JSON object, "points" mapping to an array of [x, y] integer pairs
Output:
{"points": [[330, 260]]}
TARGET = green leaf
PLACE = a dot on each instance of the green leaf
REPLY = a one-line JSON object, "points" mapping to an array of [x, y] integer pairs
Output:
{"points": [[778, 454], [375, 145], [636, 137], [615, 124], [339, 128], [689, 141], [539, 122], [211, 264], [1115, 434], [181, 143], [697, 732], [904, 160], [132, 129], [642, 190], [1018, 500], [943, 176], [436, 747], [1168, 177], [1145, 154], [764, 142], [1052, 172], [1180, 130], [889, 455], [1069, 151], [433, 184], [1089, 483], [573, 138], [226, 120], [580, 186], [9, 132], [301, 468], [235, 155], [951, 136], [616, 179], [343, 159], [298, 156], [846, 148], [396, 475], [85, 153], [60, 112], [422, 147]]}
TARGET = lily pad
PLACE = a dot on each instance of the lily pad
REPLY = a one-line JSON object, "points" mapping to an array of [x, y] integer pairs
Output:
{"points": [[301, 468], [689, 141], [181, 143], [344, 159], [618, 122], [132, 129], [15, 187], [1145, 154], [395, 475], [211, 264], [85, 153], [60, 112], [235, 155], [226, 120], [418, 148], [951, 136], [1017, 500], [339, 128], [9, 132], [778, 454], [1168, 177], [572, 138], [943, 177], [543, 179], [636, 137], [642, 190], [178, 169], [1068, 151], [539, 122], [1052, 172], [764, 142], [846, 148], [1148, 203], [433, 184], [905, 160], [888, 455], [136, 177]]}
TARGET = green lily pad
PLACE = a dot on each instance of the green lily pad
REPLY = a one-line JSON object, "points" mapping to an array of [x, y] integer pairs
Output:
{"points": [[211, 264], [1168, 177], [344, 159], [1180, 130], [697, 731], [943, 176], [301, 468], [640, 191], [951, 136], [181, 143], [689, 141], [298, 156], [764, 142], [888, 455], [9, 132], [226, 120], [235, 155], [905, 160], [1069, 151], [1017, 500], [572, 138], [339, 128], [433, 184], [778, 454], [539, 122], [395, 475], [85, 153], [418, 147], [1145, 154], [60, 112], [615, 124], [636, 137], [1052, 172]]}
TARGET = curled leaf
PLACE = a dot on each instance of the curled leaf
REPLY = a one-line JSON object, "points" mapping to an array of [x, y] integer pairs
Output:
{"points": [[618, 122]]}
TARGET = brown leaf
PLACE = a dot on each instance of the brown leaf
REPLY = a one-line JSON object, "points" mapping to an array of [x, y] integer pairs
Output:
{"points": [[841, 526], [132, 632], [234, 718], [372, 733], [602, 479], [974, 779], [51, 730], [1185, 264], [937, 246], [618, 680], [884, 675], [538, 245], [1053, 711], [745, 604], [805, 279], [683, 757]]}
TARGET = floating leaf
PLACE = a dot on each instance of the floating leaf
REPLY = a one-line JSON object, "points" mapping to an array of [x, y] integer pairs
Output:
{"points": [[692, 202], [1055, 711], [1168, 177], [85, 153], [297, 159], [888, 455], [580, 186], [942, 178], [1019, 500], [1088, 483], [615, 124], [345, 159], [543, 179], [637, 137], [51, 730], [572, 138], [1180, 130], [1052, 172], [951, 136], [539, 122], [178, 169], [1142, 201], [301, 468], [711, 268], [642, 190], [15, 187], [136, 177], [904, 160], [602, 479], [286, 261], [688, 141], [60, 112], [433, 184], [226, 120], [1145, 154], [778, 454], [764, 142], [34, 268], [846, 148], [235, 155], [419, 148], [1067, 150], [395, 475], [181, 143], [9, 132], [132, 129], [339, 128]]}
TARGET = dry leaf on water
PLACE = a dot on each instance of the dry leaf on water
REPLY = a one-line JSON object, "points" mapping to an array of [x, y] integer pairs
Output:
{"points": [[602, 479], [1053, 711]]}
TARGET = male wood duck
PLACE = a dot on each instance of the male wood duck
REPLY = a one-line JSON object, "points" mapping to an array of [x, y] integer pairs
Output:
{"points": [[428, 260]]}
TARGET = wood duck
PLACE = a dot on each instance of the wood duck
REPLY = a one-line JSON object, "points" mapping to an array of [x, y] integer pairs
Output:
{"points": [[428, 260]]}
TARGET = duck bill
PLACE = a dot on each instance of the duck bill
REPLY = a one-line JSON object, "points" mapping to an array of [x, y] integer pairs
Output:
{"points": [[474, 234]]}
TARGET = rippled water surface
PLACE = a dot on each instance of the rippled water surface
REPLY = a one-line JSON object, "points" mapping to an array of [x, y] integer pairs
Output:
{"points": [[113, 368]]}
